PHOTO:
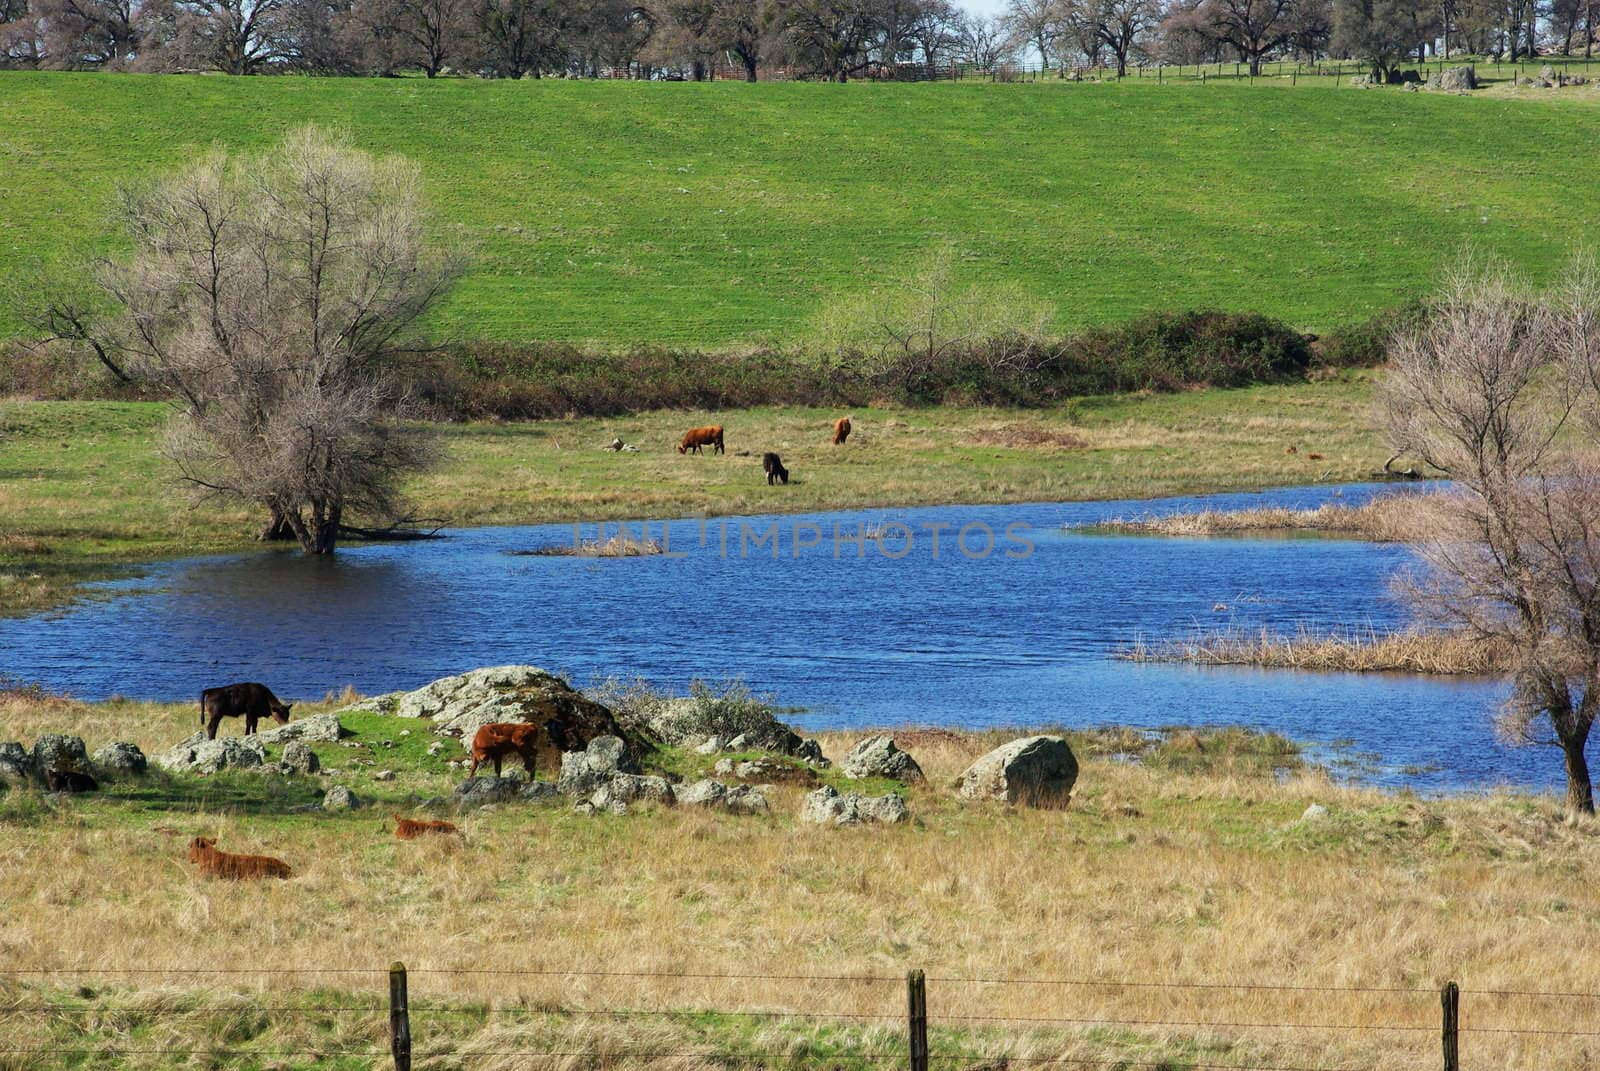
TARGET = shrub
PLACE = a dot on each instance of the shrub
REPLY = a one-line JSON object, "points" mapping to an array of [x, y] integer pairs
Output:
{"points": [[1366, 344]]}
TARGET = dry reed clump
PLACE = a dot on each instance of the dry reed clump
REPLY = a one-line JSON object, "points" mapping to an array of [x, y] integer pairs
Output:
{"points": [[1434, 652], [614, 547], [1028, 437], [1392, 518], [14, 543]]}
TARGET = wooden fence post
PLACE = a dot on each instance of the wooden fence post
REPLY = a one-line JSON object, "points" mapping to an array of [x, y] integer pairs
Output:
{"points": [[1451, 999], [399, 1017], [917, 1025]]}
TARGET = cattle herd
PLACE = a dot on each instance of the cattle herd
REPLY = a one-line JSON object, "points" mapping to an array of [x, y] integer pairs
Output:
{"points": [[711, 435], [492, 744]]}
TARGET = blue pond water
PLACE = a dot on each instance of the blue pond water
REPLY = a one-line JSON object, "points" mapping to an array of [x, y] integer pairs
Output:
{"points": [[890, 635]]}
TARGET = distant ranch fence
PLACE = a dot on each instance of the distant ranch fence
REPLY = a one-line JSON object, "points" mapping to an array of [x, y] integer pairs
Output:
{"points": [[946, 71], [399, 1027]]}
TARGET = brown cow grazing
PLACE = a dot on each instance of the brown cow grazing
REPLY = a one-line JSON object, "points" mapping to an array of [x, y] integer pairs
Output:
{"points": [[254, 701], [215, 864], [497, 740], [772, 464], [841, 430], [411, 829], [695, 438]]}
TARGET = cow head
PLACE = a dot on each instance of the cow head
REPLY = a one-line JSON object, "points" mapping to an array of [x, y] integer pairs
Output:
{"points": [[682, 449], [200, 847], [280, 713]]}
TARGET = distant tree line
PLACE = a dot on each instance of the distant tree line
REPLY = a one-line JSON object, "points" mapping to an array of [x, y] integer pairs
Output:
{"points": [[823, 39]]}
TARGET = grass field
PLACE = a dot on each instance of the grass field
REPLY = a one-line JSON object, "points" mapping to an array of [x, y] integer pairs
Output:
{"points": [[1195, 866], [83, 489], [717, 213]]}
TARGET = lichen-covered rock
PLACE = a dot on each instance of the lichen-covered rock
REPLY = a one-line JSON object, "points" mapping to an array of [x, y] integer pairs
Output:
{"points": [[53, 751], [15, 762], [746, 799], [340, 798], [120, 758], [198, 755], [478, 791], [1454, 79], [705, 793], [459, 706], [582, 772], [634, 788], [826, 806], [319, 728], [298, 758], [1035, 771], [538, 791], [769, 771], [877, 756]]}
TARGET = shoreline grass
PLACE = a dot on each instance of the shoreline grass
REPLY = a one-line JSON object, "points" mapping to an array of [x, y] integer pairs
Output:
{"points": [[1196, 865], [84, 494], [1388, 518], [1426, 652]]}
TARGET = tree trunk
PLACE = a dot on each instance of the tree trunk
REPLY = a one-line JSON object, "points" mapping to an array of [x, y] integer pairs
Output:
{"points": [[1580, 789], [749, 68]]}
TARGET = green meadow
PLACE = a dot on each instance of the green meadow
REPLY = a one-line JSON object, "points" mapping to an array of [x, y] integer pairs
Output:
{"points": [[717, 214]]}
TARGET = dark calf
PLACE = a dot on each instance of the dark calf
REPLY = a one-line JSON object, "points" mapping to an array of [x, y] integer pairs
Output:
{"points": [[772, 464], [69, 781], [254, 701]]}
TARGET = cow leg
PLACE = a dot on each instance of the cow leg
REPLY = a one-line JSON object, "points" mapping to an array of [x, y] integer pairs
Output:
{"points": [[497, 765], [474, 771], [250, 725], [211, 726]]}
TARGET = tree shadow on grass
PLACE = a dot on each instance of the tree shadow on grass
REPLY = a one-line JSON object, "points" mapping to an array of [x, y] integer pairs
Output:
{"points": [[224, 793]]}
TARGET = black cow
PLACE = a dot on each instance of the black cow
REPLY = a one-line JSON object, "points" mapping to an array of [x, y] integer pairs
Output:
{"points": [[69, 781], [772, 464], [254, 701]]}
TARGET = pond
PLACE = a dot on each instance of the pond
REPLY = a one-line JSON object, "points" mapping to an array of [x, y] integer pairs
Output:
{"points": [[1016, 626]]}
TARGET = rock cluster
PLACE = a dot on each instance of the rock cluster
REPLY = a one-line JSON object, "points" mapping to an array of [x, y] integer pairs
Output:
{"points": [[1454, 79], [1035, 771], [877, 756], [197, 755], [714, 795], [826, 806], [58, 753], [120, 759]]}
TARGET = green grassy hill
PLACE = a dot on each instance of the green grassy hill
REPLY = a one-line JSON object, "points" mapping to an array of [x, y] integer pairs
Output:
{"points": [[708, 214]]}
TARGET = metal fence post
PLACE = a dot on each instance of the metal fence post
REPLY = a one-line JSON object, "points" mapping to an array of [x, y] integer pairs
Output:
{"points": [[399, 1017], [1451, 999], [917, 1024]]}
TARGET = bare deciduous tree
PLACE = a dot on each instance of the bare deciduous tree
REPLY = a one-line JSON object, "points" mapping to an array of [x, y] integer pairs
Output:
{"points": [[1500, 391], [270, 296]]}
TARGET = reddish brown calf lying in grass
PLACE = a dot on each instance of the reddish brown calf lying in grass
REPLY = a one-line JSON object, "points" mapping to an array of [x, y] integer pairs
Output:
{"points": [[411, 829], [203, 851]]}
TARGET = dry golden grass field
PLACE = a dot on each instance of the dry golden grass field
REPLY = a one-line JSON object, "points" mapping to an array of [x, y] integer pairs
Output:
{"points": [[1189, 872]]}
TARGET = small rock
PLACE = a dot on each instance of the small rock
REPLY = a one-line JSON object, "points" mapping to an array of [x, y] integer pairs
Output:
{"points": [[877, 756], [120, 758], [383, 775], [405, 732], [478, 791], [1314, 813], [582, 772], [746, 799], [538, 791], [298, 758], [15, 762], [706, 793], [319, 728], [634, 788], [340, 798], [741, 742], [811, 751], [712, 745]]}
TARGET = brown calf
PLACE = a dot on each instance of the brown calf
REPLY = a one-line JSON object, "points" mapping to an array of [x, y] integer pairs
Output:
{"points": [[203, 851], [411, 829], [841, 430], [498, 740], [695, 438]]}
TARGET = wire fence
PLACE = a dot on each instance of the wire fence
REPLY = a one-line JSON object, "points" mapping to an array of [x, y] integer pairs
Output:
{"points": [[867, 1021], [1331, 72]]}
